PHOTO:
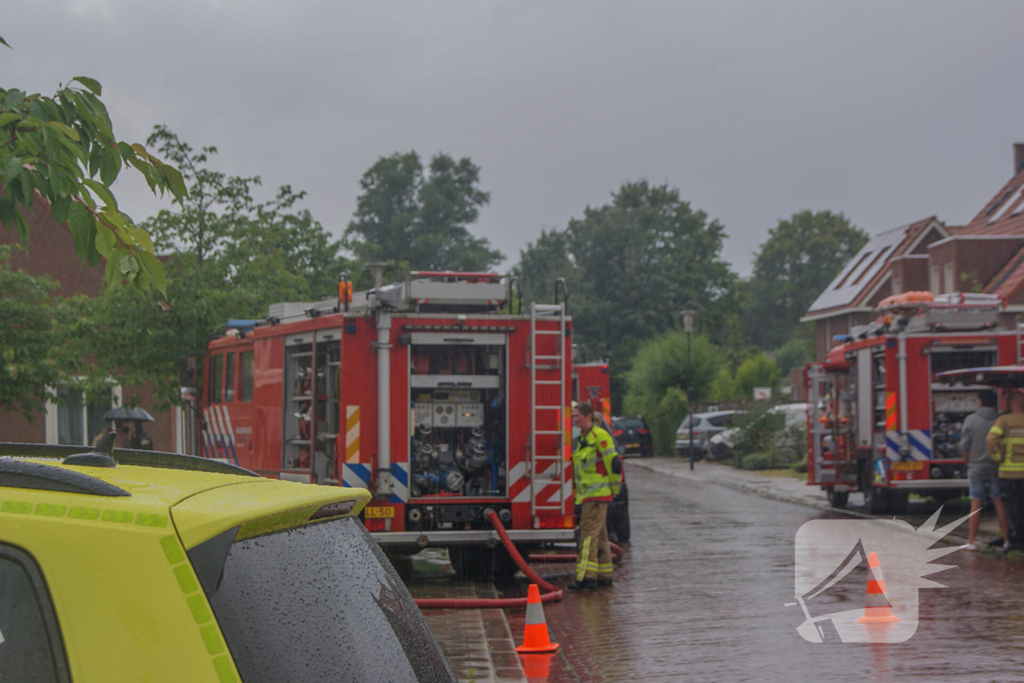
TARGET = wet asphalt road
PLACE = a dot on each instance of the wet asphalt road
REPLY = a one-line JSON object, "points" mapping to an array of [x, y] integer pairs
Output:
{"points": [[701, 594]]}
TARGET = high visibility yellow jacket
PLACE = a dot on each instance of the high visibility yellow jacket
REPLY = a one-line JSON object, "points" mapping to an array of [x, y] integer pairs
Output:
{"points": [[1005, 442], [592, 467]]}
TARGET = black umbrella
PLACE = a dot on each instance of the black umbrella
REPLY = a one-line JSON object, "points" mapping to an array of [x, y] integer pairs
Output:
{"points": [[128, 414]]}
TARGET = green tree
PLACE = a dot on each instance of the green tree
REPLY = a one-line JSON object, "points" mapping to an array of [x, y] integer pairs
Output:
{"points": [[31, 359], [795, 353], [757, 371], [656, 382], [794, 265], [64, 148], [631, 266], [227, 256], [421, 222]]}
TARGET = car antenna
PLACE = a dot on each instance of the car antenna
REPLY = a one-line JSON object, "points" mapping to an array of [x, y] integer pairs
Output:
{"points": [[102, 454]]}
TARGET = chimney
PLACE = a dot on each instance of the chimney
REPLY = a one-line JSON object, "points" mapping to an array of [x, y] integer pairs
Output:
{"points": [[1018, 157]]}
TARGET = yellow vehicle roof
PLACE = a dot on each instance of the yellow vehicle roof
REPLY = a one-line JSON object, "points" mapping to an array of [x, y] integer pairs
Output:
{"points": [[201, 504]]}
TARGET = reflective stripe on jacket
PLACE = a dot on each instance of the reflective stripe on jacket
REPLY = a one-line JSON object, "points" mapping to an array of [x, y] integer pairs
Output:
{"points": [[592, 467], [1005, 443]]}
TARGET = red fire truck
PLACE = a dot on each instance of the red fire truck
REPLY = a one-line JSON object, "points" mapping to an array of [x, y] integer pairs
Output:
{"points": [[878, 419], [422, 392], [593, 385]]}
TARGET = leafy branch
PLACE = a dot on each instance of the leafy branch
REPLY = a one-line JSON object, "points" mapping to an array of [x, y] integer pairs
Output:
{"points": [[63, 148]]}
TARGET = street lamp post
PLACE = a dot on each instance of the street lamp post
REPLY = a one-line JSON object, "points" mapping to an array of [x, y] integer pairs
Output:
{"points": [[688, 328]]}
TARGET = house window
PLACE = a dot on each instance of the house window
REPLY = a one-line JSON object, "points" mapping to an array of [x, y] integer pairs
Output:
{"points": [[897, 285], [948, 276], [74, 422], [934, 280]]}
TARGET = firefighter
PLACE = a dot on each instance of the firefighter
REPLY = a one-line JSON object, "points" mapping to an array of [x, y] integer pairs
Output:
{"points": [[1006, 446], [597, 472]]}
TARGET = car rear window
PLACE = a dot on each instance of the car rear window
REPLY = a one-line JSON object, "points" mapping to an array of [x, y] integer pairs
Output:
{"points": [[322, 603], [696, 422], [721, 420], [629, 423]]}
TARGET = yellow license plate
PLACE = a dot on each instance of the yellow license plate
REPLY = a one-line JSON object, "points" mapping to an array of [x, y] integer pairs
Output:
{"points": [[380, 511], [905, 466]]}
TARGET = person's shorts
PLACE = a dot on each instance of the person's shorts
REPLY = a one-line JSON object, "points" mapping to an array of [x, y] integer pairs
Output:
{"points": [[982, 480]]}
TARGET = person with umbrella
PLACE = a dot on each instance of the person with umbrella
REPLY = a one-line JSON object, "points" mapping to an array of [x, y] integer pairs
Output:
{"points": [[121, 416]]}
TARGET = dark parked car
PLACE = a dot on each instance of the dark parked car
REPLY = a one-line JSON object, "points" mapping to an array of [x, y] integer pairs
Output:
{"points": [[632, 436]]}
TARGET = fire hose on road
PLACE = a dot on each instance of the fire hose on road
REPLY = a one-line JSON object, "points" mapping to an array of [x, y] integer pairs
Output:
{"points": [[551, 592]]}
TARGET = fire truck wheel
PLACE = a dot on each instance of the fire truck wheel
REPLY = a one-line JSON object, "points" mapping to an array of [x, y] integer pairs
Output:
{"points": [[618, 527], [467, 562], [875, 500], [899, 502], [402, 565], [837, 499], [618, 517]]}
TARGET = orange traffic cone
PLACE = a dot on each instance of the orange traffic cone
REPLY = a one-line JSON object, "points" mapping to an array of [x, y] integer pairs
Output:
{"points": [[535, 633], [877, 609]]}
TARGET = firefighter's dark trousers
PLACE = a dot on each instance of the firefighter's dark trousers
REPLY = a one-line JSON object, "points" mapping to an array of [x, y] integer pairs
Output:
{"points": [[1012, 491], [595, 554]]}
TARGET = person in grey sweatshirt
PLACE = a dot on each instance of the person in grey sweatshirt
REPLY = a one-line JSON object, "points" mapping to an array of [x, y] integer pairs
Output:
{"points": [[982, 472]]}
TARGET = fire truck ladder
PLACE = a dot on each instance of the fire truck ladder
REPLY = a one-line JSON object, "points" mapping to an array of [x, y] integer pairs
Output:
{"points": [[550, 464]]}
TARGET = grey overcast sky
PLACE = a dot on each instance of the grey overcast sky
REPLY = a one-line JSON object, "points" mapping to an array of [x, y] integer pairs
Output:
{"points": [[887, 110]]}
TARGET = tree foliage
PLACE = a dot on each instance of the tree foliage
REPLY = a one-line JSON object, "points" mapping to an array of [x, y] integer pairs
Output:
{"points": [[755, 370], [798, 260], [38, 350], [421, 222], [64, 148], [657, 380], [227, 256], [632, 265]]}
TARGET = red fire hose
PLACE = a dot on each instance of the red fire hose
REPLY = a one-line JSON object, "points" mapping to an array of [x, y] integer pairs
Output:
{"points": [[551, 593]]}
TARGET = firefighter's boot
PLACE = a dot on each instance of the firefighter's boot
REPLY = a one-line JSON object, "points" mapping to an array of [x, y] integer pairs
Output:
{"points": [[584, 585], [604, 582]]}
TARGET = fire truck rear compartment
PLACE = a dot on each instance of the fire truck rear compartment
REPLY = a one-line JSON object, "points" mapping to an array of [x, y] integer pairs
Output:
{"points": [[458, 441]]}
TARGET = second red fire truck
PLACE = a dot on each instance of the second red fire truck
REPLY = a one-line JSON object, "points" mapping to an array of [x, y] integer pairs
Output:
{"points": [[423, 392], [879, 419]]}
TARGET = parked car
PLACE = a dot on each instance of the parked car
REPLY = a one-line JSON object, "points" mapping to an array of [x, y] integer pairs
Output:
{"points": [[128, 565], [633, 436], [723, 443], [705, 425]]}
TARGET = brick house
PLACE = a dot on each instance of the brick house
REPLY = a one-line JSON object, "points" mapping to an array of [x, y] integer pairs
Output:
{"points": [[51, 251], [986, 255]]}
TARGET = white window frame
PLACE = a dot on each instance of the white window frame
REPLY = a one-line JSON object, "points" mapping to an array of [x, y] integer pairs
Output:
{"points": [[935, 283], [948, 277], [897, 285], [52, 420]]}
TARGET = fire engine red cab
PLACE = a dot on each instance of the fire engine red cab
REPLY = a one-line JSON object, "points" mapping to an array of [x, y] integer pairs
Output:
{"points": [[593, 386], [422, 392], [879, 420]]}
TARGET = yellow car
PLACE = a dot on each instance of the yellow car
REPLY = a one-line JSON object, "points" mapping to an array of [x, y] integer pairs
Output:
{"points": [[137, 566]]}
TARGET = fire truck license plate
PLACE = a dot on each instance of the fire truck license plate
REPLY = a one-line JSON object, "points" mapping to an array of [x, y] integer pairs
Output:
{"points": [[904, 466], [380, 511]]}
